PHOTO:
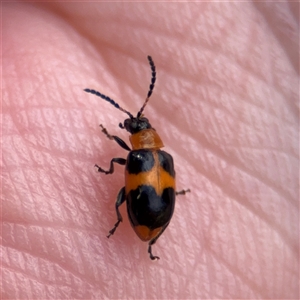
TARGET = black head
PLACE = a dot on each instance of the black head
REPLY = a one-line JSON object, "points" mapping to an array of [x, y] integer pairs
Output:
{"points": [[138, 123], [134, 125]]}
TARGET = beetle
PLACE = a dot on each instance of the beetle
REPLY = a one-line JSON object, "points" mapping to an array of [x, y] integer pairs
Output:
{"points": [[149, 189]]}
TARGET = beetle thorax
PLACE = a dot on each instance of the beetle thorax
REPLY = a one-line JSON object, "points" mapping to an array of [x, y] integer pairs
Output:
{"points": [[146, 139]]}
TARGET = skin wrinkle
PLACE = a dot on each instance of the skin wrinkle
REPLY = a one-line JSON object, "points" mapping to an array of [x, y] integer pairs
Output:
{"points": [[245, 250], [270, 228], [34, 279], [16, 189], [37, 280], [239, 167], [278, 29], [55, 226], [63, 266], [235, 272], [264, 148], [25, 274]]}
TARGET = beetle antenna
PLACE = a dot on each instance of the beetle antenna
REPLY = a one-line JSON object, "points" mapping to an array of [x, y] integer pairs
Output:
{"points": [[111, 101], [151, 86]]}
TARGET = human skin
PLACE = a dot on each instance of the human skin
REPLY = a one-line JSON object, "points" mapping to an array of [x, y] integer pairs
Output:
{"points": [[226, 106]]}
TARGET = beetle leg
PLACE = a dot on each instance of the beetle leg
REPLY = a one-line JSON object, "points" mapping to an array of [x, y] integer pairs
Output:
{"points": [[118, 160], [153, 241], [120, 199], [114, 137], [183, 192]]}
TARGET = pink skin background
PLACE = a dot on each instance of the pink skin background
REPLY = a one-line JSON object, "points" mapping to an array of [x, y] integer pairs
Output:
{"points": [[226, 107]]}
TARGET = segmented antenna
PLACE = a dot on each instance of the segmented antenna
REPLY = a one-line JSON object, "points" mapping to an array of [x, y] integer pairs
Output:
{"points": [[111, 101], [151, 86]]}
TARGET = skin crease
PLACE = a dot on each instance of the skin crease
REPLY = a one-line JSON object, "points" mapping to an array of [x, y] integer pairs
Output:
{"points": [[226, 107]]}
